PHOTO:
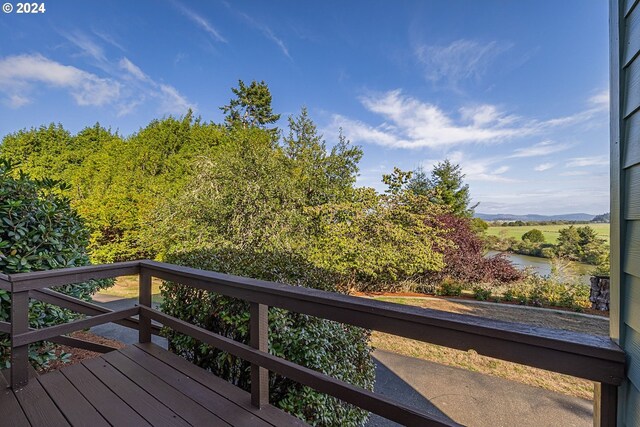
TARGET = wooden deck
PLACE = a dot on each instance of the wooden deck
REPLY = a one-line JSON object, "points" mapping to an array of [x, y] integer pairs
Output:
{"points": [[140, 385]]}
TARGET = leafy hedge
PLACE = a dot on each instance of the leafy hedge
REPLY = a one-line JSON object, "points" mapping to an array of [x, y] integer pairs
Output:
{"points": [[39, 231], [335, 349]]}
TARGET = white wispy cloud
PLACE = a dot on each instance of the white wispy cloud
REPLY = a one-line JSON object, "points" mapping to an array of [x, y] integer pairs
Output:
{"points": [[579, 162], [20, 74], [543, 167], [106, 37], [172, 101], [577, 198], [477, 169], [411, 123], [133, 69], [263, 28], [21, 77], [201, 22], [574, 173], [459, 60], [86, 45], [600, 99], [16, 101], [543, 148]]}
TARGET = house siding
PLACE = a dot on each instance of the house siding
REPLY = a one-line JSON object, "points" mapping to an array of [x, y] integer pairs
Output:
{"points": [[625, 198]]}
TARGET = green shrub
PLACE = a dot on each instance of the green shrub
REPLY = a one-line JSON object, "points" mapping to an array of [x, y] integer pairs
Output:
{"points": [[547, 291], [482, 293], [335, 349], [39, 231], [449, 288], [533, 236]]}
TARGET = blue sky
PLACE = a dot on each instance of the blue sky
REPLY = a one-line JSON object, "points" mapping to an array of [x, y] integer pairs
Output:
{"points": [[516, 92]]}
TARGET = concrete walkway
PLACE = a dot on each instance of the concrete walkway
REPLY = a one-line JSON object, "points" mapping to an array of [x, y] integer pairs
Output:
{"points": [[117, 332], [466, 397], [473, 399]]}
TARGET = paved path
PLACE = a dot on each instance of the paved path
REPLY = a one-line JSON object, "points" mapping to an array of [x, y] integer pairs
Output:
{"points": [[466, 397], [473, 399], [117, 332]]}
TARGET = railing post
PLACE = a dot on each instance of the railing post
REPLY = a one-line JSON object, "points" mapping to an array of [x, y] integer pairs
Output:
{"points": [[19, 325], [258, 339], [144, 298], [605, 405]]}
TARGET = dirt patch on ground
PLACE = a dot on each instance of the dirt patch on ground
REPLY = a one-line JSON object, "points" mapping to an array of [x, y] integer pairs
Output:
{"points": [[77, 354], [470, 298], [565, 320]]}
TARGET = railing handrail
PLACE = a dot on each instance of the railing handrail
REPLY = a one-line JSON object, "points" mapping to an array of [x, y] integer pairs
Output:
{"points": [[254, 290], [581, 355]]}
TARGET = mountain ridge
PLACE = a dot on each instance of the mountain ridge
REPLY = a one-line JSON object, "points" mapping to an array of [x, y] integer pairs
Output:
{"points": [[536, 217]]}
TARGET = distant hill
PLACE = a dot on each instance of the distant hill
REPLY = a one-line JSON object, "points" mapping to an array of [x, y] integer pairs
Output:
{"points": [[605, 217], [534, 217]]}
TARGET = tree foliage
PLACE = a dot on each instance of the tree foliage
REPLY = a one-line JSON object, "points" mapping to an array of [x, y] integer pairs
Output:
{"points": [[251, 106], [464, 258], [534, 236], [582, 244], [445, 186], [39, 231], [245, 211]]}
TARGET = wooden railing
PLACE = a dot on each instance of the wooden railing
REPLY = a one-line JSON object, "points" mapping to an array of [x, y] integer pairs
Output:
{"points": [[590, 357]]}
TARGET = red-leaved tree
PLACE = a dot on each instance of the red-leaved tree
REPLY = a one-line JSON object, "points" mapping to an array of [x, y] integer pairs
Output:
{"points": [[464, 258]]}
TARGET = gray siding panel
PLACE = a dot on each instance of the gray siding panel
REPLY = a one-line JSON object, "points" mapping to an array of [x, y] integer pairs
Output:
{"points": [[628, 4], [632, 36], [632, 208], [631, 262], [632, 300], [632, 87], [632, 140], [632, 347], [632, 406]]}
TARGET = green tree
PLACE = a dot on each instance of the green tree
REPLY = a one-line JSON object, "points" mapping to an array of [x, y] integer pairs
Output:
{"points": [[322, 176], [251, 106], [533, 236], [245, 212], [445, 186], [581, 244], [360, 238]]}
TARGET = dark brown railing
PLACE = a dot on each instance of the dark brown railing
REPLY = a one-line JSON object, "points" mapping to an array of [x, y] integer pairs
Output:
{"points": [[590, 357]]}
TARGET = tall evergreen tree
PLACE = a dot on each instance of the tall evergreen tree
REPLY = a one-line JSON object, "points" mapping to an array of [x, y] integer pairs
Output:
{"points": [[251, 107], [445, 186]]}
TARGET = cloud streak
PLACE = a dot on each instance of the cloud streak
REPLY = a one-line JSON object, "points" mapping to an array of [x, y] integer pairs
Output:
{"points": [[201, 22], [20, 74], [458, 61], [543, 148], [581, 162], [412, 124], [543, 167], [126, 88]]}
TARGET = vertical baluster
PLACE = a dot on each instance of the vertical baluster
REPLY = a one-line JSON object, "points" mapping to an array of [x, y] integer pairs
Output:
{"points": [[144, 299], [605, 405], [258, 337], [19, 325]]}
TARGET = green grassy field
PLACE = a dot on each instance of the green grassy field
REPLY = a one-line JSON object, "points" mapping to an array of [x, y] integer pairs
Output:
{"points": [[550, 231]]}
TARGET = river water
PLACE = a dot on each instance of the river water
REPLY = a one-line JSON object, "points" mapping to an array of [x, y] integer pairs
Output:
{"points": [[542, 266]]}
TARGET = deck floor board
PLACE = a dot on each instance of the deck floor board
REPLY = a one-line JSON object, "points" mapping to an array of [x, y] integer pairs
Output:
{"points": [[106, 402], [78, 411], [38, 406], [140, 385], [234, 394]]}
